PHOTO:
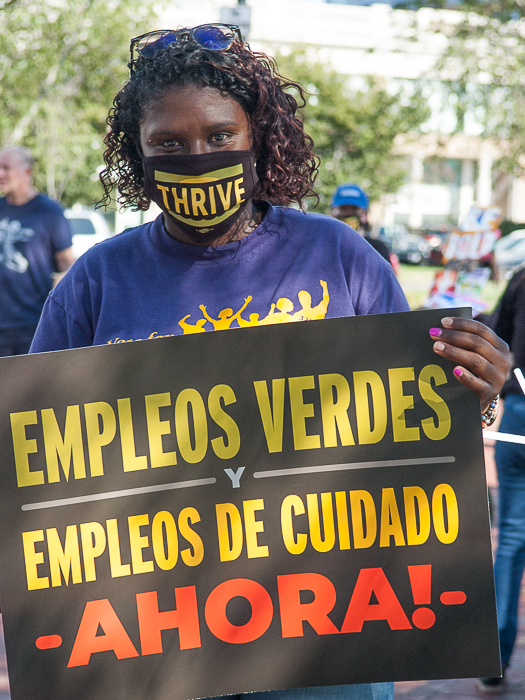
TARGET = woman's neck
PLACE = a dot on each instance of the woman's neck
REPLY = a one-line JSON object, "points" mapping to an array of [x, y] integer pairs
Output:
{"points": [[250, 218]]}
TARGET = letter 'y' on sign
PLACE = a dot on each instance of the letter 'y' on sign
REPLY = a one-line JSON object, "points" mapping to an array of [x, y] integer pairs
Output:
{"points": [[235, 476]]}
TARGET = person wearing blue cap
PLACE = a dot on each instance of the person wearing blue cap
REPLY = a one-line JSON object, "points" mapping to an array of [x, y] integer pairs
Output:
{"points": [[350, 204]]}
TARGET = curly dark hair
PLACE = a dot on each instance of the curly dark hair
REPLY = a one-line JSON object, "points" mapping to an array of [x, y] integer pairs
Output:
{"points": [[286, 165]]}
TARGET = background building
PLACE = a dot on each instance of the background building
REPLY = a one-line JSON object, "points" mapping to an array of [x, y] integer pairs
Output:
{"points": [[446, 172]]}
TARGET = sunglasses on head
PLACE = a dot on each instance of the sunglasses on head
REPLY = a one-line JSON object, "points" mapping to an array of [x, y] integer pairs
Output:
{"points": [[216, 37]]}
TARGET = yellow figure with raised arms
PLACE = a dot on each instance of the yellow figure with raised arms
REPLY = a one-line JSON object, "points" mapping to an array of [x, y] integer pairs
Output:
{"points": [[189, 328], [307, 313], [282, 311], [226, 316]]}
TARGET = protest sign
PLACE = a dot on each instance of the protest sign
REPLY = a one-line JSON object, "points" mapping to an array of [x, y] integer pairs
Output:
{"points": [[274, 507], [462, 280]]}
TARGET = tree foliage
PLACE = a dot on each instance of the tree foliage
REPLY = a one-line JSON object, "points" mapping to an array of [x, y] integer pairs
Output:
{"points": [[353, 129], [485, 66], [61, 64]]}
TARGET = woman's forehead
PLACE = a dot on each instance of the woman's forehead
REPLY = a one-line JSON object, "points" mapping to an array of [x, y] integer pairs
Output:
{"points": [[189, 101]]}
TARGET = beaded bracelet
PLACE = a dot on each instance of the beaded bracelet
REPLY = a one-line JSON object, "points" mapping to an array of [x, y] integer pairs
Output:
{"points": [[490, 415]]}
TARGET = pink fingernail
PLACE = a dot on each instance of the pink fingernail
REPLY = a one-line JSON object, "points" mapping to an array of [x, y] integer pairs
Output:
{"points": [[457, 372], [435, 331]]}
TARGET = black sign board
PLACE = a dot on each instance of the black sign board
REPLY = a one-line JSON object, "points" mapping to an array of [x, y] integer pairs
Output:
{"points": [[273, 507]]}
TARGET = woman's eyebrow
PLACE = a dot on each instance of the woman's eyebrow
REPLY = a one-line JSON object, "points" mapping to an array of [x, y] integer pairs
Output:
{"points": [[224, 125], [165, 131]]}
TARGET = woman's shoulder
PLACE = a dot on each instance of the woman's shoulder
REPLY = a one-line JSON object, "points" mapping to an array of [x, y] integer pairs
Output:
{"points": [[319, 229], [108, 259], [131, 239], [316, 223]]}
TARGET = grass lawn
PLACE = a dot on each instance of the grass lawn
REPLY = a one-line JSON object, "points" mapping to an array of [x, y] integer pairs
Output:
{"points": [[416, 281]]}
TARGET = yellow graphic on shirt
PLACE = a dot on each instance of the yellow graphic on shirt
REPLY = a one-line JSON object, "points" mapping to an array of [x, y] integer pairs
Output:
{"points": [[192, 328], [282, 311], [307, 313], [226, 316]]}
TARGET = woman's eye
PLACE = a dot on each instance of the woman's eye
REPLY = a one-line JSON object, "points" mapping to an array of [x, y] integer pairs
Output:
{"points": [[220, 137], [171, 143]]}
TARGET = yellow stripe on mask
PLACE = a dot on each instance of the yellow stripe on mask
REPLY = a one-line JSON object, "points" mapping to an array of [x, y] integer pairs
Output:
{"points": [[212, 176], [204, 223]]}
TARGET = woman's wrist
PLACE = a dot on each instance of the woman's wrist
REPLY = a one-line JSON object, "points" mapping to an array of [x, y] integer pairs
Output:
{"points": [[490, 414]]}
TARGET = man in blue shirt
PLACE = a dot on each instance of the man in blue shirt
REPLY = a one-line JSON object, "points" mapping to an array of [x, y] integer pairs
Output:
{"points": [[35, 243]]}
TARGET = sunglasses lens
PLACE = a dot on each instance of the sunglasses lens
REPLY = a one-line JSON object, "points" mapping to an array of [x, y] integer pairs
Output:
{"points": [[217, 37], [213, 37], [155, 42]]}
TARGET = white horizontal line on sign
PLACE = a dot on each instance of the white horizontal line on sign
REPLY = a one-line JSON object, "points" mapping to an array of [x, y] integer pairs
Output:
{"points": [[504, 437], [118, 494], [353, 465]]}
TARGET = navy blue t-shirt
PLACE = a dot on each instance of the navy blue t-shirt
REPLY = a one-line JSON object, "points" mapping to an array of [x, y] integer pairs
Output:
{"points": [[145, 284], [30, 235]]}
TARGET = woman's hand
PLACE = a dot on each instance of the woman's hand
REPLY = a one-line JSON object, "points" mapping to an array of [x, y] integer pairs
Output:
{"points": [[482, 358]]}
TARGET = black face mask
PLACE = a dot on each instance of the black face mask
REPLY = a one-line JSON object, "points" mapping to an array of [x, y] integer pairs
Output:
{"points": [[352, 221], [204, 194]]}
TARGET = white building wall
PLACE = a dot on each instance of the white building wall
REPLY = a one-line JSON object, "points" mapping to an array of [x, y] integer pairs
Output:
{"points": [[356, 40], [374, 41]]}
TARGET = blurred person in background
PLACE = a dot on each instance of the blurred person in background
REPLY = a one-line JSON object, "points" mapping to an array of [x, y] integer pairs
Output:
{"points": [[35, 243], [350, 204], [509, 323]]}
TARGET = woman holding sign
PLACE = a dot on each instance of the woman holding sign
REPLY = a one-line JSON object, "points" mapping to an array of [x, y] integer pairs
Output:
{"points": [[207, 129]]}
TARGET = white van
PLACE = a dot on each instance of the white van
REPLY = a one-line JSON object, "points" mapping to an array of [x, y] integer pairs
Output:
{"points": [[88, 227]]}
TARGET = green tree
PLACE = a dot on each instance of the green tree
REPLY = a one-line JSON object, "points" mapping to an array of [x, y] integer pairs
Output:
{"points": [[61, 64], [485, 66], [354, 129]]}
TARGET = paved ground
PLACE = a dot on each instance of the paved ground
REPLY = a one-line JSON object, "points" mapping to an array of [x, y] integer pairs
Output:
{"points": [[465, 689]]}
